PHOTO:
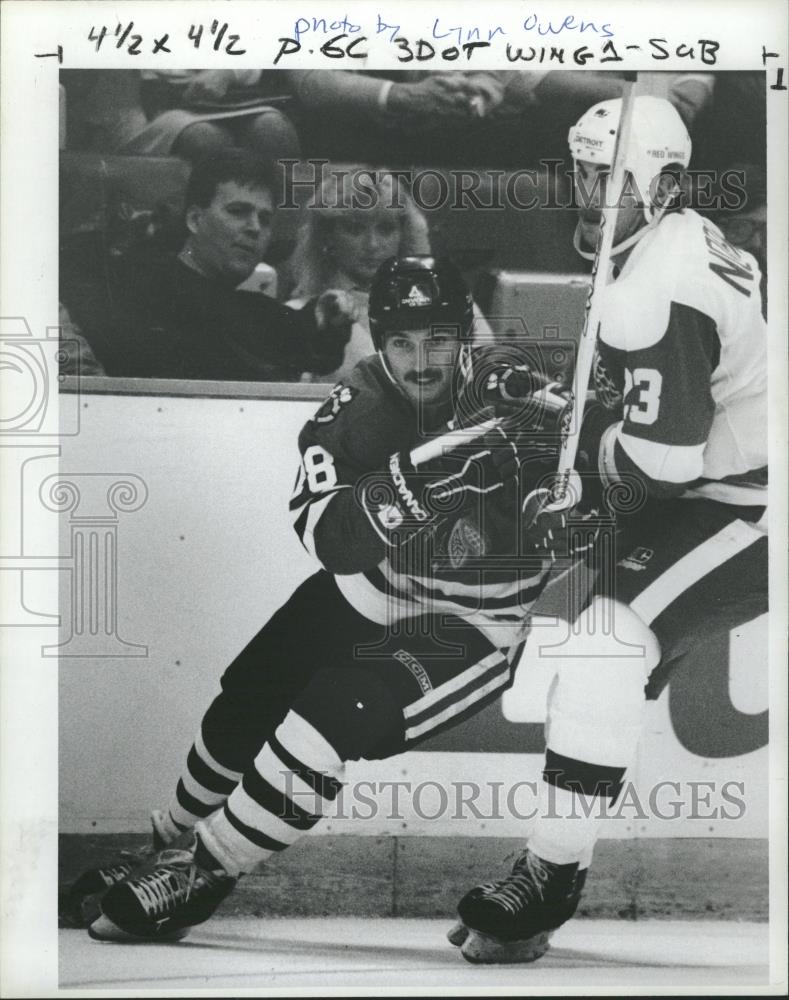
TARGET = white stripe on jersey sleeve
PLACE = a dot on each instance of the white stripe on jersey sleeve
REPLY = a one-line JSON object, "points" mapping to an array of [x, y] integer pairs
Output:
{"points": [[314, 513], [745, 494], [373, 604], [665, 463], [605, 461]]}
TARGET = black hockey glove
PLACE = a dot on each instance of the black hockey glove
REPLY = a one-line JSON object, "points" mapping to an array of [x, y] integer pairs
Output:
{"points": [[568, 529], [559, 532], [404, 499], [500, 389]]}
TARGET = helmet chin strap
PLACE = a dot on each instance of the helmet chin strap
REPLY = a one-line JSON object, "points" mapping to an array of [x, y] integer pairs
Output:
{"points": [[652, 214], [620, 247], [388, 370]]}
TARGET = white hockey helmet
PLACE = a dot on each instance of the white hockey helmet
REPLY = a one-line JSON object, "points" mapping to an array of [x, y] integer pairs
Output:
{"points": [[658, 138]]}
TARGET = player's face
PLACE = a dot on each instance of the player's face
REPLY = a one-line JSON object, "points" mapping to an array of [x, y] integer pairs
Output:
{"points": [[362, 240], [423, 365], [591, 180], [229, 237]]}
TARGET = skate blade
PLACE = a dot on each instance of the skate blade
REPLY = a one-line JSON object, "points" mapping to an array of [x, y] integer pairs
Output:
{"points": [[481, 949], [458, 934], [104, 929]]}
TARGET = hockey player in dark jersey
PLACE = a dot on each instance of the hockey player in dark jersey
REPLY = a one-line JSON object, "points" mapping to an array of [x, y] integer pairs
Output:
{"points": [[681, 379], [408, 628]]}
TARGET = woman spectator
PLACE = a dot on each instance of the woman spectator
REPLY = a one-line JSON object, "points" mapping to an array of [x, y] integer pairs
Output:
{"points": [[341, 246]]}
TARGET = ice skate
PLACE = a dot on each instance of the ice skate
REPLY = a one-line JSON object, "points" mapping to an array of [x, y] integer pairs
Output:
{"points": [[179, 889], [80, 905], [512, 920]]}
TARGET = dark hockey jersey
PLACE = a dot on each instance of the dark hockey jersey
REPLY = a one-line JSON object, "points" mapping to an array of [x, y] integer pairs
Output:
{"points": [[349, 440], [683, 360]]}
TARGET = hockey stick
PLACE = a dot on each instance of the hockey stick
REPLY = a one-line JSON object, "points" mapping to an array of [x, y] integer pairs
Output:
{"points": [[449, 441], [561, 492]]}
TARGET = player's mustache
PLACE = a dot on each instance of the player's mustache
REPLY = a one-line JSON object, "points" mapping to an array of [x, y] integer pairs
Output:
{"points": [[431, 373]]}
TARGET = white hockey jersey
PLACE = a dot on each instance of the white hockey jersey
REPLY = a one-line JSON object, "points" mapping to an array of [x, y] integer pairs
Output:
{"points": [[683, 353]]}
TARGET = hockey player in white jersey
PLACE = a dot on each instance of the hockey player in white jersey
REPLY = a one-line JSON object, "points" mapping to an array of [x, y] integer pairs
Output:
{"points": [[680, 428]]}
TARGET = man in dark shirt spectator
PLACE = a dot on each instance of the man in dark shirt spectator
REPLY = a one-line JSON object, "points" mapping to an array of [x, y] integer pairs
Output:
{"points": [[184, 317]]}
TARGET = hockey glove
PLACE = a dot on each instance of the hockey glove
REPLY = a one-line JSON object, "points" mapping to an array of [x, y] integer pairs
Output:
{"points": [[550, 413], [558, 531], [496, 387], [404, 499]]}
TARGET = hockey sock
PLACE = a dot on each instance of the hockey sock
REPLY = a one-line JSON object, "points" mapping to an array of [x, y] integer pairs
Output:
{"points": [[292, 783], [594, 720], [201, 789], [573, 798]]}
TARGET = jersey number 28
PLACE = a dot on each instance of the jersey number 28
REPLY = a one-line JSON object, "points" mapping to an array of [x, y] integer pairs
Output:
{"points": [[318, 470]]}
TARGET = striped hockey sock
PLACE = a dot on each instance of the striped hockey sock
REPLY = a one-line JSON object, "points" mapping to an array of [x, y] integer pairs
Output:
{"points": [[202, 788], [291, 785]]}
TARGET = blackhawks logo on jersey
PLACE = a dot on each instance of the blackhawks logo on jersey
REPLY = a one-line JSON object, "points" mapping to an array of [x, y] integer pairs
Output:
{"points": [[340, 396]]}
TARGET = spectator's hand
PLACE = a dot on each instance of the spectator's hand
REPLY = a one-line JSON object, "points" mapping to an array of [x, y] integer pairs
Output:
{"points": [[335, 308], [484, 93], [446, 97], [209, 85]]}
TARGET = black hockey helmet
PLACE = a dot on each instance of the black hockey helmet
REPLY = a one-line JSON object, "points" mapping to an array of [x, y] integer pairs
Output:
{"points": [[411, 293]]}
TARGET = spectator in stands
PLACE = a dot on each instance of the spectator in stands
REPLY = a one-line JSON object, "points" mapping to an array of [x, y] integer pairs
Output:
{"points": [[731, 139], [75, 355], [103, 109], [186, 113], [413, 117], [690, 93], [733, 128], [509, 118], [183, 316], [342, 246], [199, 113], [745, 224]]}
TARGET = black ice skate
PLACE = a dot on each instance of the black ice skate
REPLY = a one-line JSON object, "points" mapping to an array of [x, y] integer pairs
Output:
{"points": [[80, 905], [512, 920], [180, 889]]}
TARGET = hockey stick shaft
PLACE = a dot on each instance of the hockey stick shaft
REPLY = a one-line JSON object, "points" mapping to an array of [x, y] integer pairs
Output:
{"points": [[448, 442], [593, 308]]}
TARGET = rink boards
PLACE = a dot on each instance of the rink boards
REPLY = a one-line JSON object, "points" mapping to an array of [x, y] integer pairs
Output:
{"points": [[204, 553]]}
